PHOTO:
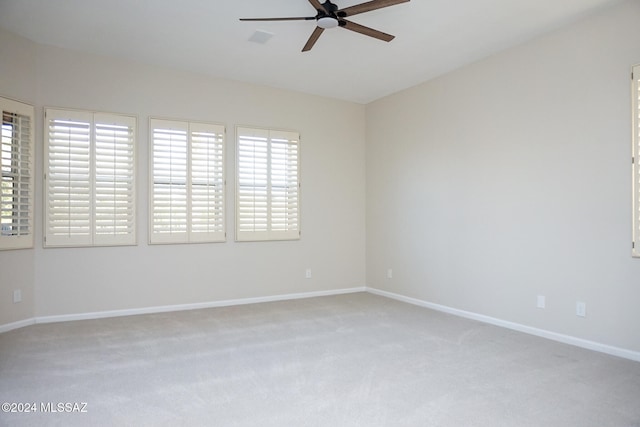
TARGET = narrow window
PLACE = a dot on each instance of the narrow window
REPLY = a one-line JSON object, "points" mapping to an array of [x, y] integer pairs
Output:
{"points": [[16, 185], [188, 182], [267, 185], [90, 179]]}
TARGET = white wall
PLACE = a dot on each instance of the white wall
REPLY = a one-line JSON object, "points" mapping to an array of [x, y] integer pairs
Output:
{"points": [[84, 280], [17, 77], [501, 181], [509, 179]]}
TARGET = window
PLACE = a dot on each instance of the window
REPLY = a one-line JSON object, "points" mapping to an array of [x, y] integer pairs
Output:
{"points": [[187, 172], [89, 179], [268, 185], [635, 96], [16, 186]]}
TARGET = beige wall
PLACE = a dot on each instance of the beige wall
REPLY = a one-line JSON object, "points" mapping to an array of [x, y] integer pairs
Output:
{"points": [[85, 280], [510, 178]]}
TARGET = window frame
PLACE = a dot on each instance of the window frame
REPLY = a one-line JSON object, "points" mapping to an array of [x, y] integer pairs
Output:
{"points": [[123, 210], [635, 159], [191, 234], [272, 230], [22, 170]]}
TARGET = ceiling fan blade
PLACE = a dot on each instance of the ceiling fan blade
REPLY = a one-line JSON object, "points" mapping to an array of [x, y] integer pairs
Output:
{"points": [[313, 39], [366, 30], [317, 5], [366, 7], [302, 18]]}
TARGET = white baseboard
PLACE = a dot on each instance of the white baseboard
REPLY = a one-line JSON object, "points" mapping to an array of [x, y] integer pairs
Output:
{"points": [[566, 339], [16, 325], [183, 307], [579, 342]]}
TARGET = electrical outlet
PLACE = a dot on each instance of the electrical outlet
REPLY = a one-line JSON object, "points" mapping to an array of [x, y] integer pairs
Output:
{"points": [[17, 296], [541, 301], [581, 309], [389, 273], [307, 273]]}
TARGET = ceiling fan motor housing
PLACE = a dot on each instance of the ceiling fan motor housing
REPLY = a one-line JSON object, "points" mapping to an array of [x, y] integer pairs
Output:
{"points": [[329, 7], [328, 18]]}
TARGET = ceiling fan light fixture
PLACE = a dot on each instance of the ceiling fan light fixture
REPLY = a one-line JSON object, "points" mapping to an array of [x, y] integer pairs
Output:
{"points": [[327, 22]]}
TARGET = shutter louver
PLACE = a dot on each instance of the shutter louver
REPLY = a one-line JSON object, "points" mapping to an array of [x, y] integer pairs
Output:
{"points": [[16, 168], [188, 182], [90, 180], [267, 206]]}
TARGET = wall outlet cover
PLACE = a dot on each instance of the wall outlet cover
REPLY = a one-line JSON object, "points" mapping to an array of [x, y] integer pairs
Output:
{"points": [[581, 309]]}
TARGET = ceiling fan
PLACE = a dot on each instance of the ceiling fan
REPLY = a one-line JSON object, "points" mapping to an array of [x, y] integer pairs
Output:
{"points": [[330, 16]]}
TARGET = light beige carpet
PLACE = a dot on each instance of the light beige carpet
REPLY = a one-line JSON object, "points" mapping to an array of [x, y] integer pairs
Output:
{"points": [[350, 360]]}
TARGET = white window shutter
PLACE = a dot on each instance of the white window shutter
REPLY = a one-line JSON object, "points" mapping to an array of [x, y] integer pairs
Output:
{"points": [[187, 175], [207, 183], [635, 96], [169, 181], [16, 168], [284, 185], [268, 185], [68, 178], [114, 180], [90, 179], [252, 179]]}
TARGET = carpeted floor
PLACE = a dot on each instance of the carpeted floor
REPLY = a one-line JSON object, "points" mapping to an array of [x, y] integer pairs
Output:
{"points": [[349, 360]]}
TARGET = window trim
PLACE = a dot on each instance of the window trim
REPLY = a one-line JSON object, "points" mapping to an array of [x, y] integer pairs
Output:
{"points": [[189, 236], [26, 241], [635, 158], [270, 234], [93, 239]]}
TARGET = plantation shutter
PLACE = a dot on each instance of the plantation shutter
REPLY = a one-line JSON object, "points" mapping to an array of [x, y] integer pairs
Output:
{"points": [[252, 193], [267, 198], [16, 168], [284, 185], [68, 178], [207, 182], [90, 179], [635, 96], [187, 197], [169, 178], [114, 179]]}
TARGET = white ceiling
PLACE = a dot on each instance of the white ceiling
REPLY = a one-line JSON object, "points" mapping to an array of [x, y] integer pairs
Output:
{"points": [[205, 36]]}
